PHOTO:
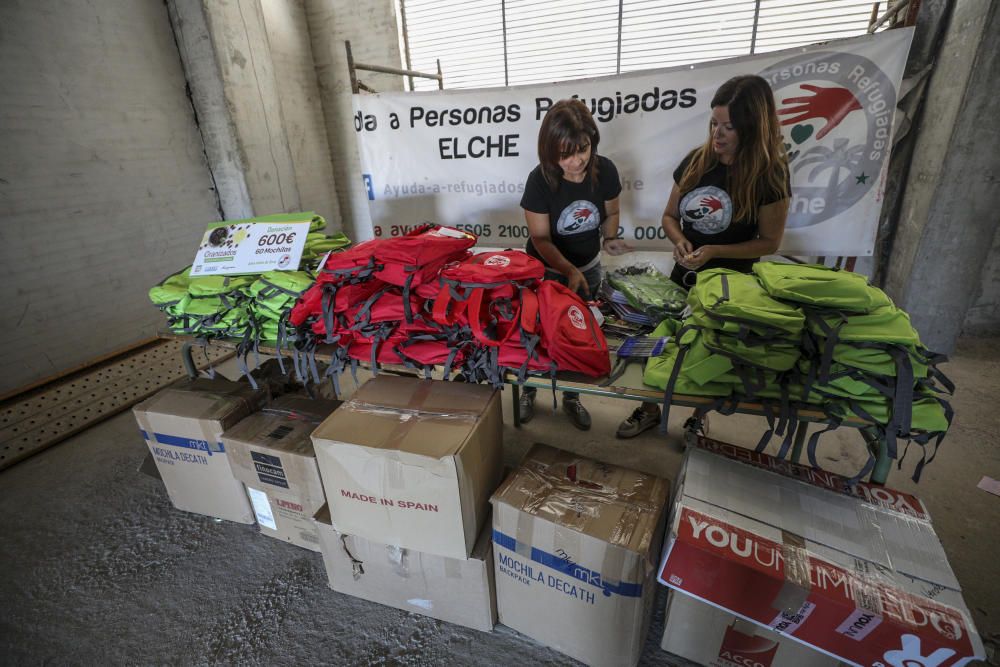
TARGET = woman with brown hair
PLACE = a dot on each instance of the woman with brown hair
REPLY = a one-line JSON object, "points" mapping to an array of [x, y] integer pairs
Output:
{"points": [[570, 202], [730, 197]]}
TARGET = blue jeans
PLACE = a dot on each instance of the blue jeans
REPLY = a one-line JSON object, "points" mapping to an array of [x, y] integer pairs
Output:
{"points": [[594, 277]]}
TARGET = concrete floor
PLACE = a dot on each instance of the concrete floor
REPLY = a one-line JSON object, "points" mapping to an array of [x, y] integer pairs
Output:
{"points": [[97, 567]]}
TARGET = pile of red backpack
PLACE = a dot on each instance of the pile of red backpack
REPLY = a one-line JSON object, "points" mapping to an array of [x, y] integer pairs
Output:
{"points": [[424, 300]]}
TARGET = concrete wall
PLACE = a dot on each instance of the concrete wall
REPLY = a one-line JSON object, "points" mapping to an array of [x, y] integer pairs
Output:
{"points": [[948, 217], [301, 107], [104, 186], [372, 29], [983, 318], [253, 82]]}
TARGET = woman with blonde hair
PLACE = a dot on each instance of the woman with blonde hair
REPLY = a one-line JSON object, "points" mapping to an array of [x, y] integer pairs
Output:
{"points": [[730, 197]]}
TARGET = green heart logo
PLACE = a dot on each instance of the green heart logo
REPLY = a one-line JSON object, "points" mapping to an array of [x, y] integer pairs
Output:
{"points": [[801, 132]]}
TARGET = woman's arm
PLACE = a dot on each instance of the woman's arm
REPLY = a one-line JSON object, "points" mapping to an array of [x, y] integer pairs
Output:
{"points": [[770, 228], [610, 242], [538, 228], [672, 226]]}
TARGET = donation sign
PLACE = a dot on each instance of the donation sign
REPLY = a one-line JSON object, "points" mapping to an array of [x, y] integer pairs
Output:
{"points": [[237, 247], [461, 157]]}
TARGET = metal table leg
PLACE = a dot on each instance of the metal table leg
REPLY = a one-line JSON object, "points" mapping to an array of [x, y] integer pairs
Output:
{"points": [[878, 445], [188, 360], [800, 439], [516, 395]]}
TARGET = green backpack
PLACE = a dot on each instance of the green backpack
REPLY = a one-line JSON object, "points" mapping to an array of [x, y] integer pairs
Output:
{"points": [[931, 419], [884, 324], [171, 293], [737, 303], [211, 316], [275, 292], [318, 244], [316, 222], [698, 371], [775, 355], [821, 286], [229, 287]]}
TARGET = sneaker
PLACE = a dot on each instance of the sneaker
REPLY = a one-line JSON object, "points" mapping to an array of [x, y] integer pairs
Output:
{"points": [[526, 405], [577, 413], [638, 421]]}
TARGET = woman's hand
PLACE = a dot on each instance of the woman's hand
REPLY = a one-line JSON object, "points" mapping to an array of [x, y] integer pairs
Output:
{"points": [[696, 258], [577, 283], [682, 250], [615, 247]]}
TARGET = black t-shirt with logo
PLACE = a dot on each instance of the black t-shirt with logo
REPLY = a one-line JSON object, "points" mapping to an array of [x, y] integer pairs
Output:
{"points": [[575, 210], [706, 217]]}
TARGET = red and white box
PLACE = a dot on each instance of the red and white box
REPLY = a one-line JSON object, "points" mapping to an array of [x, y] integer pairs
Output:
{"points": [[856, 574]]}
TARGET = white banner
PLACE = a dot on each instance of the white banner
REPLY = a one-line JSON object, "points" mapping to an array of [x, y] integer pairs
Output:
{"points": [[461, 157]]}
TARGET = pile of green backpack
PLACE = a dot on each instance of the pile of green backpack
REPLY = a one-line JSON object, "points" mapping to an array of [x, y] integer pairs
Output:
{"points": [[793, 335], [649, 291], [252, 307]]}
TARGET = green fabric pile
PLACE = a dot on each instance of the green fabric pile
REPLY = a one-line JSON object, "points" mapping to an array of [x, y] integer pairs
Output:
{"points": [[251, 307], [649, 291], [271, 297], [738, 339], [790, 335]]}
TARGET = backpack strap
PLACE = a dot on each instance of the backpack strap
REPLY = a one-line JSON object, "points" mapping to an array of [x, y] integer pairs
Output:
{"points": [[765, 438], [363, 317], [441, 312], [668, 393], [529, 310], [474, 311]]}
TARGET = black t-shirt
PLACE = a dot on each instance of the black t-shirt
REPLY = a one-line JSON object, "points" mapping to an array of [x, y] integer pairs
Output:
{"points": [[575, 210], [706, 217]]}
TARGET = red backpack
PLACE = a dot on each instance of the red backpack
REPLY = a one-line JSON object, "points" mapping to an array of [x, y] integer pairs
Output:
{"points": [[416, 258], [355, 263], [385, 305], [485, 291], [570, 334], [338, 281]]}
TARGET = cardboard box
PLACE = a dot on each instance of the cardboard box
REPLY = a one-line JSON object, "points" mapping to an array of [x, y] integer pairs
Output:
{"points": [[866, 583], [182, 426], [272, 454], [456, 590], [710, 636], [412, 463], [575, 542]]}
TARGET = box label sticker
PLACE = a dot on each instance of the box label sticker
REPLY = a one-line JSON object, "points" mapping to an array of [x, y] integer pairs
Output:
{"points": [[262, 508], [269, 470], [523, 572], [189, 443], [859, 624], [565, 567], [787, 622]]}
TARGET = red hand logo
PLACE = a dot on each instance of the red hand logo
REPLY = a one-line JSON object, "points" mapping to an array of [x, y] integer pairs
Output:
{"points": [[711, 203], [830, 104]]}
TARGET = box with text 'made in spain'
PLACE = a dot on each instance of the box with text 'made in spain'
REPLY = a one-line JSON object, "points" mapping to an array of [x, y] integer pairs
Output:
{"points": [[412, 463]]}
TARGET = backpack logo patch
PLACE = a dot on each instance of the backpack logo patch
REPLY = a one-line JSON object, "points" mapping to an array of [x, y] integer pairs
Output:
{"points": [[707, 209], [580, 216], [497, 260], [576, 317]]}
